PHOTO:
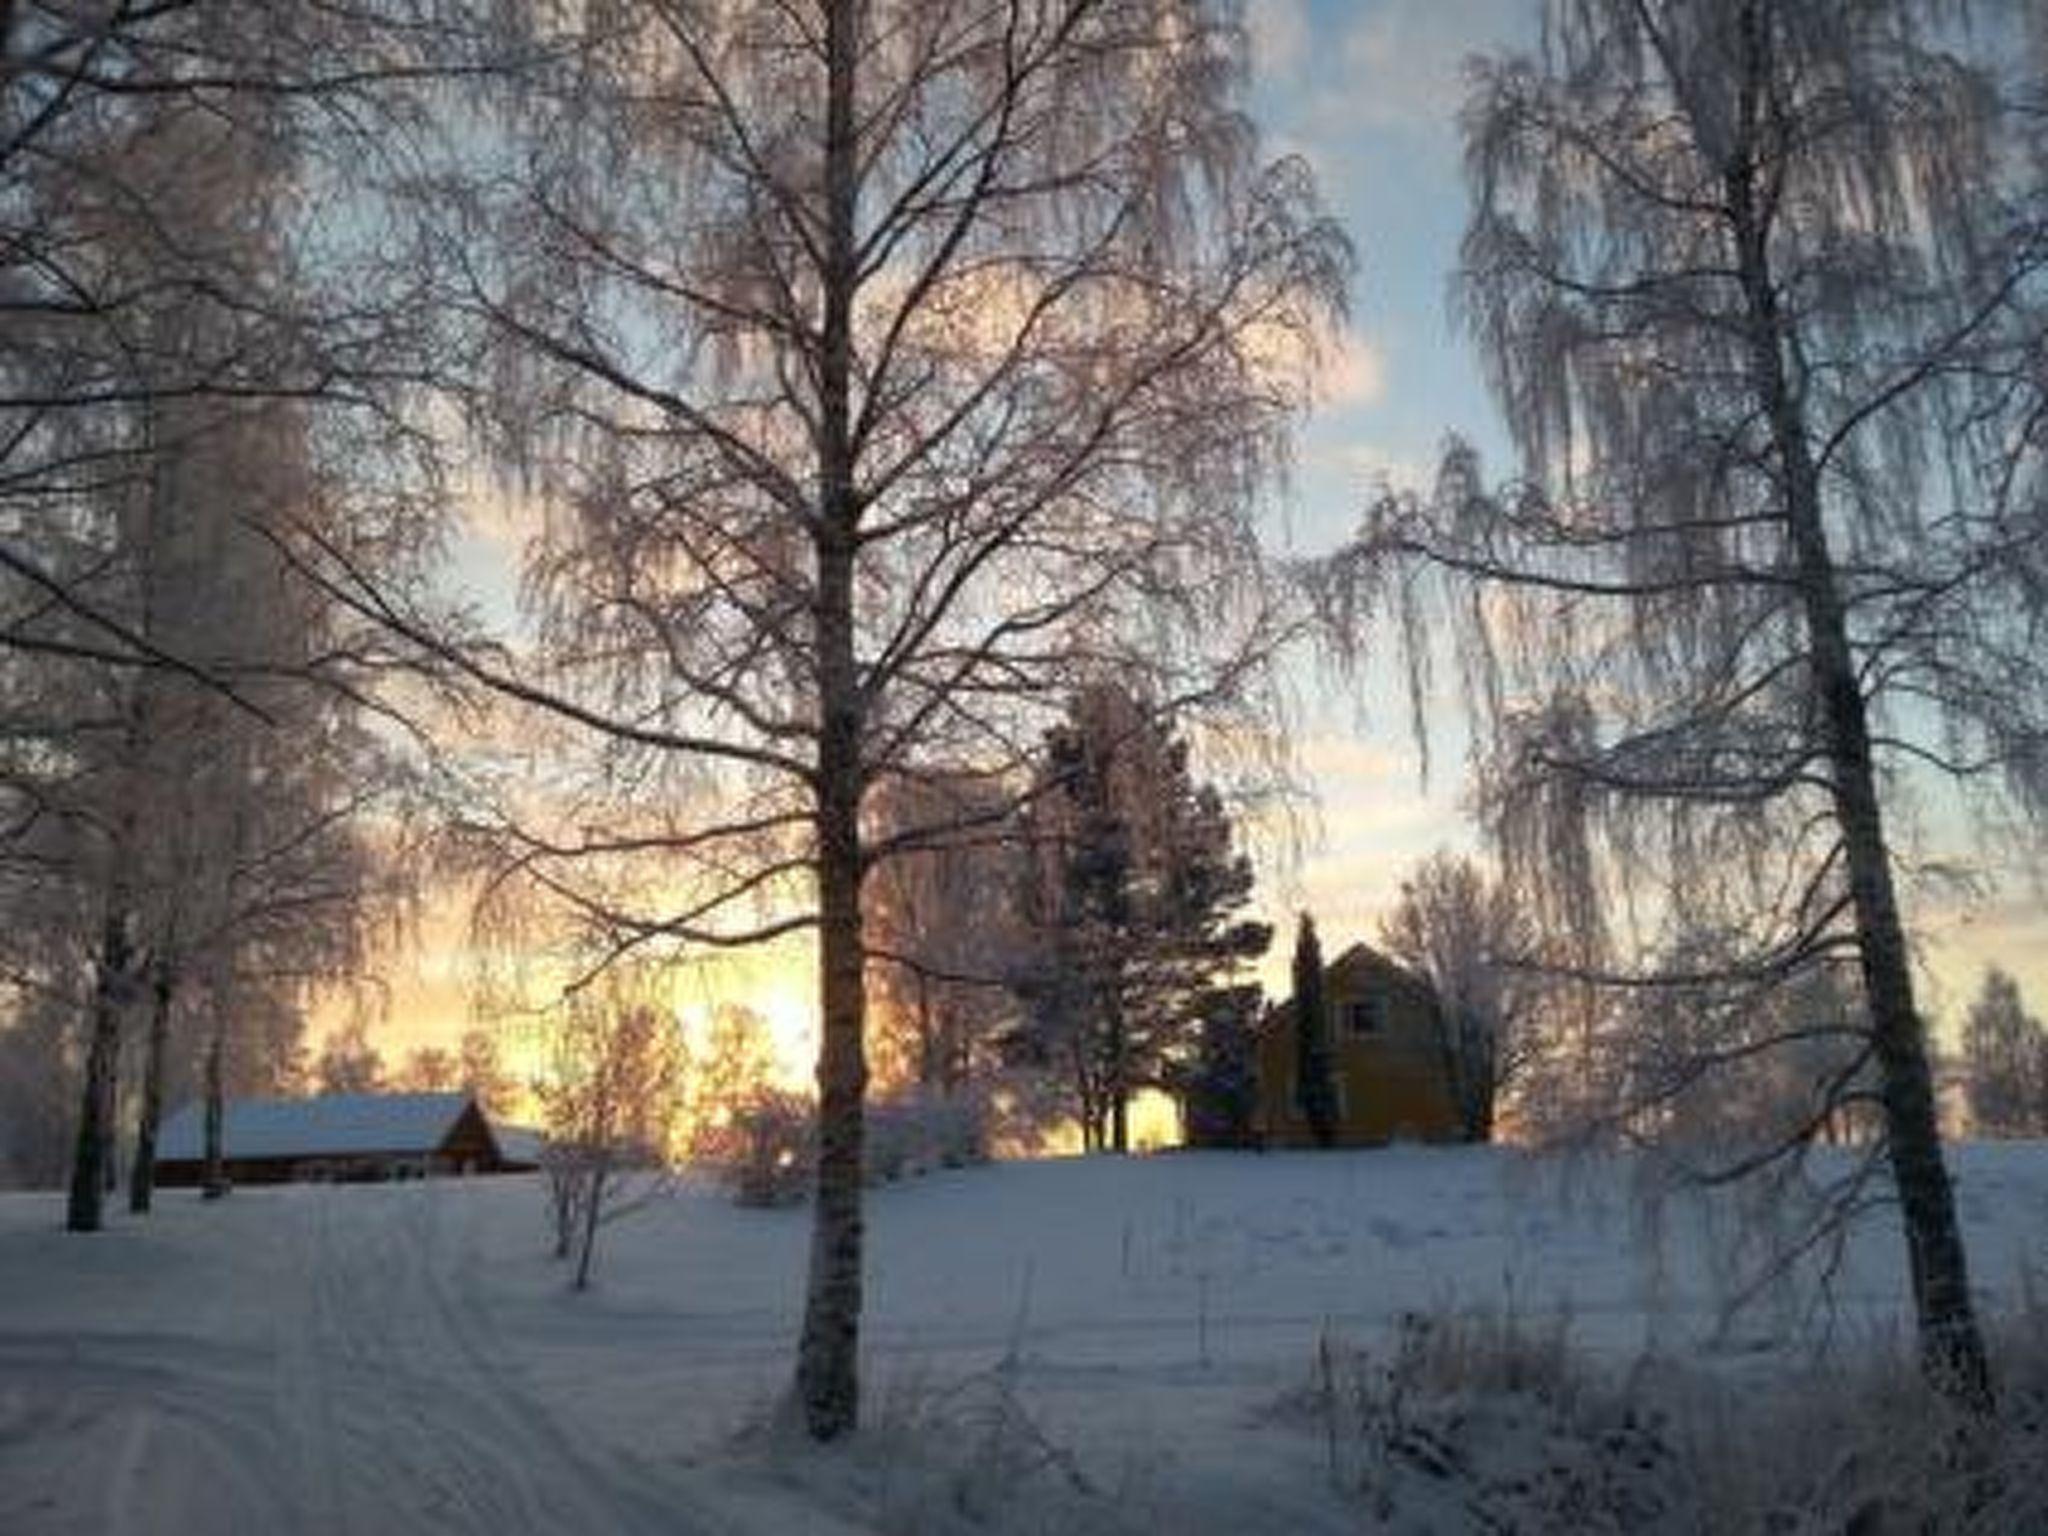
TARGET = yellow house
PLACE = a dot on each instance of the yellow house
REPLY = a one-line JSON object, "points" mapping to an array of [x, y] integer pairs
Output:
{"points": [[1387, 1057]]}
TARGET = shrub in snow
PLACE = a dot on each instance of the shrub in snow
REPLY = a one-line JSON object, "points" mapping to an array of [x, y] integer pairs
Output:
{"points": [[961, 1457], [769, 1141], [1486, 1422]]}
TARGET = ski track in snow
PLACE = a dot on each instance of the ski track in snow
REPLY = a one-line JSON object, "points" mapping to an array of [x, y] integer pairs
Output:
{"points": [[379, 1402]]}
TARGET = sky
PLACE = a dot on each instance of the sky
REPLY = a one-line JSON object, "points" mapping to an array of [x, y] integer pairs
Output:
{"points": [[1367, 91]]}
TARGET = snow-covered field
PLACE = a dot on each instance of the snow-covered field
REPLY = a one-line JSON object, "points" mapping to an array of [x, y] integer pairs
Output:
{"points": [[406, 1358]]}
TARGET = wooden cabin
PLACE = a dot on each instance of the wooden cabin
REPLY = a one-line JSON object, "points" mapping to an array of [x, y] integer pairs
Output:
{"points": [[350, 1137], [1387, 1058]]}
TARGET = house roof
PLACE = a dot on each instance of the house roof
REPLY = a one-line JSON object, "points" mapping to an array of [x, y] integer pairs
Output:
{"points": [[332, 1125], [1357, 966]]}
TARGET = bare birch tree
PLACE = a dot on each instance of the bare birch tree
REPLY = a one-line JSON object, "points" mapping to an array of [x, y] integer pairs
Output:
{"points": [[1469, 938], [1759, 287], [609, 1103], [429, 1069], [233, 768], [165, 356], [886, 365]]}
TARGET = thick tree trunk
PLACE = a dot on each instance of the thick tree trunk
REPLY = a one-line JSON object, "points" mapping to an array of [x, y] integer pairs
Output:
{"points": [[954, 1043], [214, 1182], [827, 1370], [92, 1157], [1482, 1074], [827, 1377], [142, 1173], [1951, 1347]]}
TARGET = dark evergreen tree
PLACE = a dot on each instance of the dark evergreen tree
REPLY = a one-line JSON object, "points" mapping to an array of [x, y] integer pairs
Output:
{"points": [[1220, 1086], [1315, 1084], [1133, 909]]}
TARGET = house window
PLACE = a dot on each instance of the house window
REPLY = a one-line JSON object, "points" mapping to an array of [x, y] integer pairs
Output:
{"points": [[1364, 1016]]}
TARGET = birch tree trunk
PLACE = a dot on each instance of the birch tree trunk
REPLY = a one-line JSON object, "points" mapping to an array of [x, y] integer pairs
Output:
{"points": [[92, 1155], [214, 1181], [827, 1373], [1951, 1346], [142, 1173]]}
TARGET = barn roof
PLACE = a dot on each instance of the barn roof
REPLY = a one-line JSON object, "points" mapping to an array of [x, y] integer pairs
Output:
{"points": [[331, 1125]]}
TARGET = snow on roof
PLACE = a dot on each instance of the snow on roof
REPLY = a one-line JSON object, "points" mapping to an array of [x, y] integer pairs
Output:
{"points": [[333, 1124]]}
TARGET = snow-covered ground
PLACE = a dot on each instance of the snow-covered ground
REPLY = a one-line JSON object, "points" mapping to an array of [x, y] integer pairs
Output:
{"points": [[406, 1358]]}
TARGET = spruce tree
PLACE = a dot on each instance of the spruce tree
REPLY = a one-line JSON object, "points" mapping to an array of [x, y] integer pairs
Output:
{"points": [[1315, 1086], [1133, 909]]}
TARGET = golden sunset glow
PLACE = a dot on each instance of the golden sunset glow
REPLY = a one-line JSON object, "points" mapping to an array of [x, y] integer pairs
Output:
{"points": [[1375, 820], [429, 991]]}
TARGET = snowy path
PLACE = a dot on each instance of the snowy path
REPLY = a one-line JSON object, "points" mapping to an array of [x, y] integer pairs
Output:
{"points": [[357, 1390]]}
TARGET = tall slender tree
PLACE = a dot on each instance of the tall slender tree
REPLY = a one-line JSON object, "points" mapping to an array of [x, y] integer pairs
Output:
{"points": [[155, 329], [1315, 1083], [1757, 283], [880, 362], [157, 549]]}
